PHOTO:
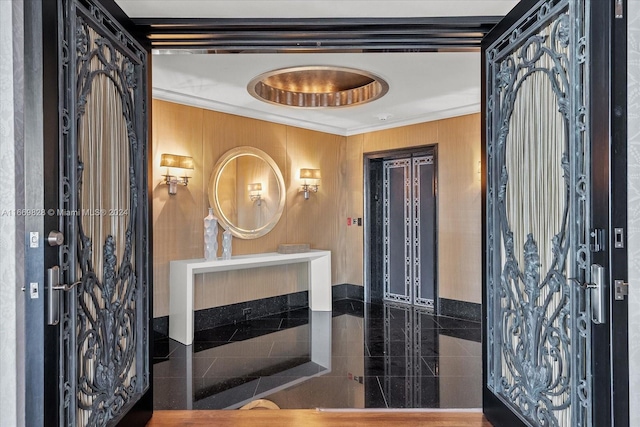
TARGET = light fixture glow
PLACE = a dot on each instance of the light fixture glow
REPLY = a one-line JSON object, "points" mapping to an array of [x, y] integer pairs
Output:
{"points": [[314, 176], [179, 162], [254, 192], [317, 87]]}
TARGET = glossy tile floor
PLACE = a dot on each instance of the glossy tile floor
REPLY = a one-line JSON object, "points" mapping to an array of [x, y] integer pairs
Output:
{"points": [[358, 356]]}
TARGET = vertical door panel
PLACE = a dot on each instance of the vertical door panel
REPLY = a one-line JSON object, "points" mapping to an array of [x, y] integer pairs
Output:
{"points": [[424, 234], [538, 180], [104, 367], [397, 230]]}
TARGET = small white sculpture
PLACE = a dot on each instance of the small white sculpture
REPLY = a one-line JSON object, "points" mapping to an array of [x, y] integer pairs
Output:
{"points": [[210, 236], [226, 244]]}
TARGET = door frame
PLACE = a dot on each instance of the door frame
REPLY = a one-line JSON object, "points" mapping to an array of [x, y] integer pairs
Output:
{"points": [[41, 112], [368, 158], [42, 115], [609, 210], [609, 157]]}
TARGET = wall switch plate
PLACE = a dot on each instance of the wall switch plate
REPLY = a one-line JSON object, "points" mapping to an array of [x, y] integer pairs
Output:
{"points": [[34, 239], [34, 293]]}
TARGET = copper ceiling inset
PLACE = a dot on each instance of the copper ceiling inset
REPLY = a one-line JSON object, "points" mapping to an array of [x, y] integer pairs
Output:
{"points": [[317, 86]]}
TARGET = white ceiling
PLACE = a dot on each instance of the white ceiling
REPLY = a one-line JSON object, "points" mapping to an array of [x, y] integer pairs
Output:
{"points": [[422, 86]]}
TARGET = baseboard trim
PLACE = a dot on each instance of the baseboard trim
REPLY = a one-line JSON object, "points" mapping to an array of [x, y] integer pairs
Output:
{"points": [[234, 313], [460, 309], [347, 291]]}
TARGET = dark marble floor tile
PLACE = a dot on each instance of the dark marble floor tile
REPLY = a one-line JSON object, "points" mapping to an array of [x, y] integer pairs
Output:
{"points": [[348, 306], [452, 323], [289, 377], [157, 335], [374, 323], [300, 313], [411, 392], [464, 334], [221, 333], [170, 393], [182, 367], [293, 322], [396, 366], [161, 348], [373, 396], [402, 364], [223, 392], [172, 368], [432, 363], [374, 311], [392, 348], [253, 366], [455, 366], [247, 332], [300, 348], [428, 393], [428, 321], [264, 323], [380, 334], [200, 348]]}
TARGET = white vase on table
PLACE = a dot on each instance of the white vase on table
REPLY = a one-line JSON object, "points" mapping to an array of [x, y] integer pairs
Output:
{"points": [[226, 244], [210, 236]]}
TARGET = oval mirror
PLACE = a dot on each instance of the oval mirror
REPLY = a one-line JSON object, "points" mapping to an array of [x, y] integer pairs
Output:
{"points": [[246, 192]]}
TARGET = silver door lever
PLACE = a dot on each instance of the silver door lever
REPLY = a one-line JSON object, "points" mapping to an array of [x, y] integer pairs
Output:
{"points": [[53, 294]]}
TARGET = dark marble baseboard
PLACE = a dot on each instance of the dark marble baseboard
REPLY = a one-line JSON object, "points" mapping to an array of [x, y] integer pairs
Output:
{"points": [[460, 309], [233, 313], [347, 291], [161, 326]]}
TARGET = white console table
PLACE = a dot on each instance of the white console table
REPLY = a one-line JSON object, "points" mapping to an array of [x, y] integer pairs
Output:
{"points": [[182, 272]]}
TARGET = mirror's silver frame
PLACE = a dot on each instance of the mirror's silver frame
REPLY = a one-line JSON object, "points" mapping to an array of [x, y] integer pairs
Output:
{"points": [[227, 157]]}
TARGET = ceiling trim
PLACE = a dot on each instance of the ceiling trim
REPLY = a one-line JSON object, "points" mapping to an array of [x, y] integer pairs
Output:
{"points": [[208, 104], [234, 35]]}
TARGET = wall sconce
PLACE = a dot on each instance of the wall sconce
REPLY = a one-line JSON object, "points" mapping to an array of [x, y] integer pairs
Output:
{"points": [[314, 176], [254, 192], [175, 161]]}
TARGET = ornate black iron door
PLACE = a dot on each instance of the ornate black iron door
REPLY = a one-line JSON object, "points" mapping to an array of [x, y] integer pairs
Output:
{"points": [[538, 327], [104, 366]]}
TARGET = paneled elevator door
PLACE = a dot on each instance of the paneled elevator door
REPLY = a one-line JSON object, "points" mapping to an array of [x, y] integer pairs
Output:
{"points": [[409, 230]]}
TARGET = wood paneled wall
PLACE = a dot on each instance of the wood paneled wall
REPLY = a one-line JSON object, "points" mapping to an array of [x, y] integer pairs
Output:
{"points": [[320, 221], [178, 220]]}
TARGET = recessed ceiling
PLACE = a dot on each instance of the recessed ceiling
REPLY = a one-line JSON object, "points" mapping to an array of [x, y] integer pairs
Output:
{"points": [[317, 87], [423, 86]]}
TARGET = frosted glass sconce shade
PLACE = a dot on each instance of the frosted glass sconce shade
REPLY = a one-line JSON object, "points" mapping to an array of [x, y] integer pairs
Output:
{"points": [[312, 175], [175, 161]]}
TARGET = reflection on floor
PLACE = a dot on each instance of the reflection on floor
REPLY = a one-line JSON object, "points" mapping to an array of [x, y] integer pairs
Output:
{"points": [[358, 356]]}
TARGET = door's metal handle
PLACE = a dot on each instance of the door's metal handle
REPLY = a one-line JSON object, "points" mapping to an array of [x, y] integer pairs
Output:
{"points": [[53, 294], [65, 287], [597, 289], [53, 297], [55, 238]]}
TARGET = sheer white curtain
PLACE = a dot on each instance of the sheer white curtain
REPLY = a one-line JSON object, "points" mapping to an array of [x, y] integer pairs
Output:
{"points": [[103, 149]]}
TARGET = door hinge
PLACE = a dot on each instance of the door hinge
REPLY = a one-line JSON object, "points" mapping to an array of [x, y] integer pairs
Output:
{"points": [[619, 9], [621, 289]]}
